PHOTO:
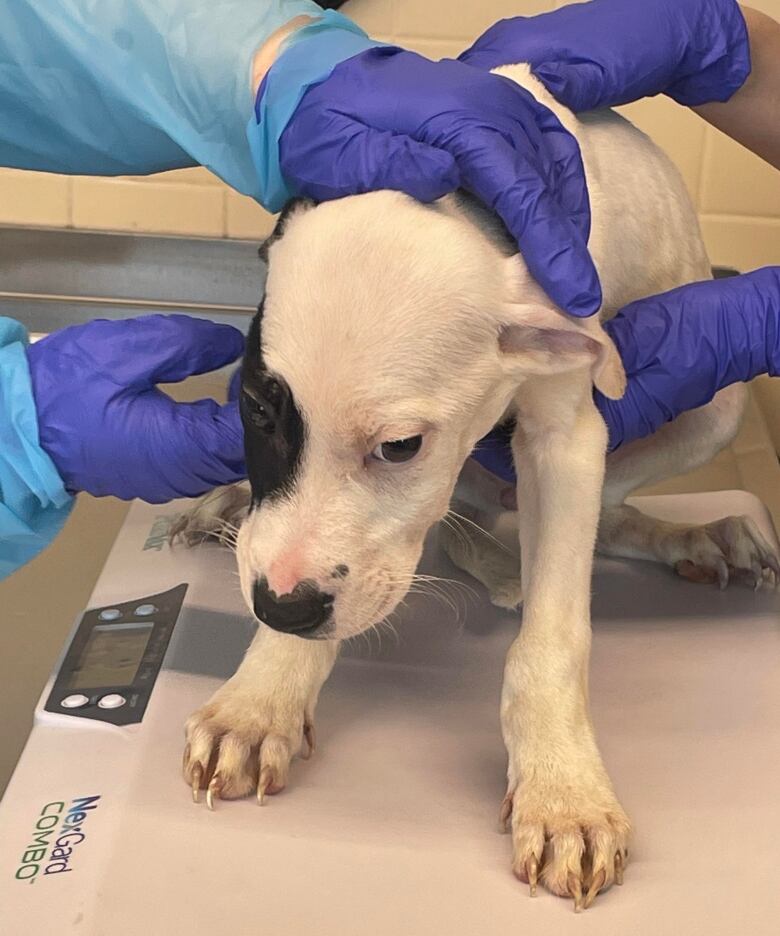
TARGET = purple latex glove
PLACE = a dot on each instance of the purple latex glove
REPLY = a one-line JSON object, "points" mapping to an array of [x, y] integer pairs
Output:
{"points": [[107, 427], [390, 119], [679, 349], [610, 52]]}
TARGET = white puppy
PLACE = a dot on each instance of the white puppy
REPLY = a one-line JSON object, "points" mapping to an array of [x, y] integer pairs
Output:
{"points": [[393, 336]]}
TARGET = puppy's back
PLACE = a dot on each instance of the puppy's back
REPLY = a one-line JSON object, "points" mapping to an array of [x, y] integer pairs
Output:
{"points": [[645, 236]]}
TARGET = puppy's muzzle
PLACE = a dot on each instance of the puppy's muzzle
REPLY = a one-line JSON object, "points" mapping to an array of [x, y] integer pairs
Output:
{"points": [[302, 612]]}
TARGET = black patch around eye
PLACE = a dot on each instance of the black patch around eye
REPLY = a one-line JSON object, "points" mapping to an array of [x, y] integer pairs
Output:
{"points": [[274, 432]]}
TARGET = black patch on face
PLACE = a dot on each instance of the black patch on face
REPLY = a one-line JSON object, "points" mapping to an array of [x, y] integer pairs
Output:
{"points": [[274, 433]]}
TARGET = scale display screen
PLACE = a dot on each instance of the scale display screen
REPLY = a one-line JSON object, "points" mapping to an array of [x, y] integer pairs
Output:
{"points": [[111, 656]]}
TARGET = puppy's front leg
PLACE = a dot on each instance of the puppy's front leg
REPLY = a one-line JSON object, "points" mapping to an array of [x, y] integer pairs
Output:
{"points": [[244, 738], [569, 831]]}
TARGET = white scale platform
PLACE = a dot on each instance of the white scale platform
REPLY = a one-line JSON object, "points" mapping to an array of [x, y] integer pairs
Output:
{"points": [[390, 829]]}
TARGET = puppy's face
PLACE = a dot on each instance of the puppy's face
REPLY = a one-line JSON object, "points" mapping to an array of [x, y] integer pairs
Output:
{"points": [[383, 350]]}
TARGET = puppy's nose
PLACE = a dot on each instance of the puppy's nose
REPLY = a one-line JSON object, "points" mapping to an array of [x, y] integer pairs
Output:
{"points": [[301, 612]]}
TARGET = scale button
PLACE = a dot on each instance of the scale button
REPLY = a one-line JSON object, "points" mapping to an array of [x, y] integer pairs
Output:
{"points": [[110, 614], [74, 701], [112, 700], [145, 609]]}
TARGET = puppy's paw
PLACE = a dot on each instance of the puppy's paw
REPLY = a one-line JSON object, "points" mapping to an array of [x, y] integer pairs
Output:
{"points": [[215, 516], [732, 549], [507, 593], [570, 839], [241, 742]]}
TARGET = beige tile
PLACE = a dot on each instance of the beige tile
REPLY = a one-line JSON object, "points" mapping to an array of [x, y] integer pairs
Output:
{"points": [[744, 243], [432, 48], [770, 7], [464, 19], [34, 198], [247, 219], [160, 208], [736, 181], [677, 130], [198, 175], [375, 16]]}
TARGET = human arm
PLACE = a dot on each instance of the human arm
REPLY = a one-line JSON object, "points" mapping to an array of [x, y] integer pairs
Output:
{"points": [[145, 85], [751, 115], [34, 504], [721, 59]]}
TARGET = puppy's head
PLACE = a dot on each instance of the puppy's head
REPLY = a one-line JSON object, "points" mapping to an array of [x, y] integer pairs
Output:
{"points": [[392, 336]]}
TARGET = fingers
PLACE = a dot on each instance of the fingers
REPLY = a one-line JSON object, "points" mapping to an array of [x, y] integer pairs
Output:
{"points": [[346, 157], [207, 441], [189, 448], [550, 241], [234, 387], [581, 86], [169, 348]]}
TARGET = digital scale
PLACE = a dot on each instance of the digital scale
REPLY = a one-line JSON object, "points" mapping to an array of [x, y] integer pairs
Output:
{"points": [[111, 665], [390, 828]]}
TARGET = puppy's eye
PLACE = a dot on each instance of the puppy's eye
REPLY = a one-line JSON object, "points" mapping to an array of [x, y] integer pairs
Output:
{"points": [[399, 450], [272, 391], [258, 414]]}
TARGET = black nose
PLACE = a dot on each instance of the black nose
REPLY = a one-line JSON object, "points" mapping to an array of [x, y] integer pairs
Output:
{"points": [[302, 612]]}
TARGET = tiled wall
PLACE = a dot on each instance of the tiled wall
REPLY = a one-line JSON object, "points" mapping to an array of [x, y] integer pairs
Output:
{"points": [[737, 195]]}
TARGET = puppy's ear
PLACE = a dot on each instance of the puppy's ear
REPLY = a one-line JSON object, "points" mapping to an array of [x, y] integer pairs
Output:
{"points": [[293, 207], [535, 339]]}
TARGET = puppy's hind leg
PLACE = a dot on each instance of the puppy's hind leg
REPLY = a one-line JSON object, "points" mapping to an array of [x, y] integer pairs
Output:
{"points": [[731, 548], [217, 515], [486, 559]]}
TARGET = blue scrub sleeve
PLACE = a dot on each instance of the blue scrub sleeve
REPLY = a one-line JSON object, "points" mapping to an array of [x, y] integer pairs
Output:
{"points": [[34, 504], [140, 86], [308, 58]]}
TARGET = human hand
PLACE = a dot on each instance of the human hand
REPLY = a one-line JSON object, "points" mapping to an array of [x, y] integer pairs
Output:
{"points": [[678, 349], [610, 52], [390, 119], [110, 430]]}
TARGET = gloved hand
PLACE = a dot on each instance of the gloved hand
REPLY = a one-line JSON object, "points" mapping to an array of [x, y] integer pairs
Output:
{"points": [[679, 349], [107, 427], [610, 52], [386, 118]]}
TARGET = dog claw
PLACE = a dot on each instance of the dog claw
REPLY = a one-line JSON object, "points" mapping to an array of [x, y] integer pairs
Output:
{"points": [[619, 868], [596, 884], [310, 738], [215, 786], [504, 813], [197, 776], [575, 889], [532, 873], [262, 785]]}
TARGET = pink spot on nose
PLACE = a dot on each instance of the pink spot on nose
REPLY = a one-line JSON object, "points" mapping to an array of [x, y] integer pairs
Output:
{"points": [[284, 572]]}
